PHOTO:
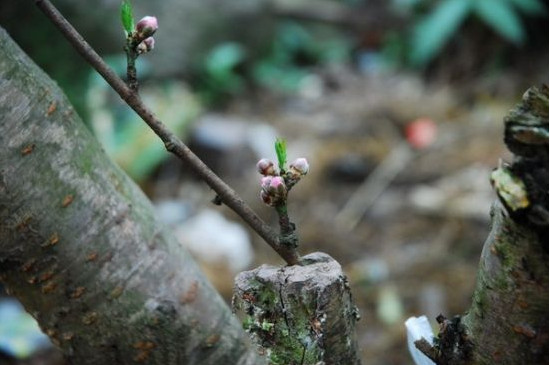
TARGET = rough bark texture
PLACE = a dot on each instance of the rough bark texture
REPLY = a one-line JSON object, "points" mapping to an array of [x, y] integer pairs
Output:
{"points": [[80, 248], [299, 314], [508, 320]]}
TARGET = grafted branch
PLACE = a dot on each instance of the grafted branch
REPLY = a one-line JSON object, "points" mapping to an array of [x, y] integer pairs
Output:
{"points": [[173, 144]]}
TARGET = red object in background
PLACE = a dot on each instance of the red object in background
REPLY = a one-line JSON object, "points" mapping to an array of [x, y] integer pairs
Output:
{"points": [[421, 132]]}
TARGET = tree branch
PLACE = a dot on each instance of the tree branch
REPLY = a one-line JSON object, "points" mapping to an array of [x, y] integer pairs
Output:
{"points": [[80, 247], [173, 143]]}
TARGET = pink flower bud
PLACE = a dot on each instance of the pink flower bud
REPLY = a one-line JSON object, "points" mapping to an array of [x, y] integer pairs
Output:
{"points": [[150, 43], [273, 190], [147, 26], [277, 186], [265, 182], [266, 198], [299, 167], [266, 167], [147, 45]]}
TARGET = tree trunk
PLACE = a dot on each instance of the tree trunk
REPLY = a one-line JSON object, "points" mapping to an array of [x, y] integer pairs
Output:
{"points": [[81, 249], [508, 320]]}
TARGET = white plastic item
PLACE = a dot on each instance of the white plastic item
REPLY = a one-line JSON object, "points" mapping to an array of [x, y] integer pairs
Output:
{"points": [[417, 328]]}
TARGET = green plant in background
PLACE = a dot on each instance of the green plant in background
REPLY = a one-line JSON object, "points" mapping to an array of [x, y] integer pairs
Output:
{"points": [[128, 141], [294, 50], [287, 62], [219, 76], [283, 67], [432, 32]]}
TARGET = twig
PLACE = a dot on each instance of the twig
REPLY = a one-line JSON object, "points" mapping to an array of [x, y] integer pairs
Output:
{"points": [[172, 143], [427, 349], [288, 232], [131, 71]]}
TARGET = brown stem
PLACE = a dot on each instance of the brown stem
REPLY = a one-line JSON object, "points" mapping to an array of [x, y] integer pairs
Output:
{"points": [[424, 346], [173, 144], [288, 231], [131, 71]]}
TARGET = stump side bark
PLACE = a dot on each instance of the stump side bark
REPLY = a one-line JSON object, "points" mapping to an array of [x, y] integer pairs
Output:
{"points": [[299, 314]]}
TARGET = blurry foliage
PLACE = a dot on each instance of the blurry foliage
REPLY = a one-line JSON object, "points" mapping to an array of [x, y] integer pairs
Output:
{"points": [[125, 137], [219, 76], [287, 61], [431, 32], [293, 52], [285, 64]]}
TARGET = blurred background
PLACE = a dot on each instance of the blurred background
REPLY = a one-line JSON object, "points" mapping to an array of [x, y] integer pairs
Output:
{"points": [[396, 104]]}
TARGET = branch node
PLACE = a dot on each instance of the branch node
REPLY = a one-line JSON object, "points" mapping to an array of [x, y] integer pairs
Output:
{"points": [[170, 146], [452, 345]]}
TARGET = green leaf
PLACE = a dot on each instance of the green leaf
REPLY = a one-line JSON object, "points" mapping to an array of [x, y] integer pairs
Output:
{"points": [[530, 7], [435, 30], [280, 149], [293, 37], [500, 16], [224, 58], [126, 16], [284, 78]]}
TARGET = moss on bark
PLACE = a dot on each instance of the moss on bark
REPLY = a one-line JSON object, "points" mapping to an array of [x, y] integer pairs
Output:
{"points": [[299, 314], [81, 249], [507, 322]]}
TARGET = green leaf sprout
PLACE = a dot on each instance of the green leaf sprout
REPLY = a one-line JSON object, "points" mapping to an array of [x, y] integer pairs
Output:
{"points": [[280, 149], [126, 16]]}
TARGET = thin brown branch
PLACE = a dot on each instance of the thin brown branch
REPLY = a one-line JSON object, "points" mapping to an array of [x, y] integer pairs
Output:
{"points": [[173, 143], [288, 233], [424, 346]]}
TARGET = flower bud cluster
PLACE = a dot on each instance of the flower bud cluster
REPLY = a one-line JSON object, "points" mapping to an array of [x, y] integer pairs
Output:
{"points": [[275, 185], [273, 190], [143, 33]]}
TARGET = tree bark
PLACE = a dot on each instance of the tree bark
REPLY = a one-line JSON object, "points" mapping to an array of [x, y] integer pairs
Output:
{"points": [[507, 322], [508, 319], [299, 314], [81, 249]]}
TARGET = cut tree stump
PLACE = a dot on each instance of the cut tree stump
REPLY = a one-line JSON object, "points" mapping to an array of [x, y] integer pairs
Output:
{"points": [[299, 314]]}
